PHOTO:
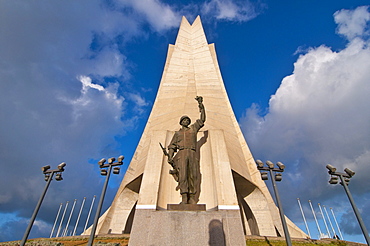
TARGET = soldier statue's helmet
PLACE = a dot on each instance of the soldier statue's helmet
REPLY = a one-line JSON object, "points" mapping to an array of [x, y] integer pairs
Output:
{"points": [[185, 117]]}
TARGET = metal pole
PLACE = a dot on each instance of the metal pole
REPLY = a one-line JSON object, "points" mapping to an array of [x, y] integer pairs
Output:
{"points": [[304, 218], [282, 216], [331, 225], [314, 215], [56, 219], [61, 221], [88, 216], [69, 219], [27, 232], [98, 210], [323, 217], [336, 222], [357, 213], [78, 217]]}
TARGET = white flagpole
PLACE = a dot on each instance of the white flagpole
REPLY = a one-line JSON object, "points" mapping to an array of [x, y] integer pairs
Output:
{"points": [[78, 218], [341, 236], [304, 218], [69, 218], [331, 225], [88, 216], [323, 217], [314, 215], [61, 221], [56, 219]]}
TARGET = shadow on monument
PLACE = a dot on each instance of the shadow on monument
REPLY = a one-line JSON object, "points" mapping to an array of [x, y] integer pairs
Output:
{"points": [[268, 241], [216, 233], [200, 143]]}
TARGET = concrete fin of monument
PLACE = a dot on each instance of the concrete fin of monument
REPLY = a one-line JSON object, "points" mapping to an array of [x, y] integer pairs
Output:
{"points": [[237, 201]]}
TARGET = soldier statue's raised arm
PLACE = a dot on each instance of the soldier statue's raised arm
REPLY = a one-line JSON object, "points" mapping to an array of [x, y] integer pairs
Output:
{"points": [[185, 163]]}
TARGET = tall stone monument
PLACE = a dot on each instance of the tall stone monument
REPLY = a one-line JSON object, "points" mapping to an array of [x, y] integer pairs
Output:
{"points": [[236, 200]]}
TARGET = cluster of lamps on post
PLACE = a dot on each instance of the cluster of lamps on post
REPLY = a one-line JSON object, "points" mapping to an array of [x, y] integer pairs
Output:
{"points": [[105, 170], [48, 178], [344, 181], [275, 175]]}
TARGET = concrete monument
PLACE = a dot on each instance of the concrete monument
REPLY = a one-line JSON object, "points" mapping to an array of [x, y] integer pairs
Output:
{"points": [[237, 201]]}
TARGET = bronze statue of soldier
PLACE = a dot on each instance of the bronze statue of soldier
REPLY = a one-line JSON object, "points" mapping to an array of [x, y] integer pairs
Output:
{"points": [[185, 163]]}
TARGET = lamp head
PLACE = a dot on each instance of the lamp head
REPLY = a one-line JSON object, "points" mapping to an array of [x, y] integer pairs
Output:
{"points": [[349, 172], [111, 160], [270, 164], [116, 170], [259, 163], [102, 161], [61, 166], [45, 168], [280, 165], [333, 180], [264, 176], [278, 177], [331, 168], [47, 176], [58, 177], [120, 159]]}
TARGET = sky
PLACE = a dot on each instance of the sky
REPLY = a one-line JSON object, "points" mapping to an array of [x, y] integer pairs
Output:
{"points": [[78, 80]]}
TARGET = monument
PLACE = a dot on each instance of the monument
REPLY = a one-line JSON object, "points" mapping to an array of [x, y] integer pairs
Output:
{"points": [[235, 200], [186, 169]]}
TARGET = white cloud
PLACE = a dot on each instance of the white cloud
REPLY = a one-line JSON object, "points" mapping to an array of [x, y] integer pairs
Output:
{"points": [[320, 114], [95, 101], [159, 15], [108, 62], [231, 10], [353, 23], [139, 102], [86, 83], [162, 16]]}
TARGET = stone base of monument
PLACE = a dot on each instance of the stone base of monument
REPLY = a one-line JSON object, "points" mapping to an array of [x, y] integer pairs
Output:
{"points": [[186, 207], [180, 227]]}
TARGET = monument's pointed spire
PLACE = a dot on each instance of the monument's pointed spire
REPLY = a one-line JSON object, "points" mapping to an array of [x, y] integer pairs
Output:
{"points": [[184, 23], [186, 29], [230, 180]]}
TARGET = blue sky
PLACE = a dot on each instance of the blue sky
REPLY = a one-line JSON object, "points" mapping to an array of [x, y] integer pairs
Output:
{"points": [[78, 80]]}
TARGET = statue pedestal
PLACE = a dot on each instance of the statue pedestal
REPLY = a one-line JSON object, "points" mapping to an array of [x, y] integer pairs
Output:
{"points": [[186, 207], [178, 227]]}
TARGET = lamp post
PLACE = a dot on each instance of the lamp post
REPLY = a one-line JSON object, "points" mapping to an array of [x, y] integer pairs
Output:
{"points": [[48, 177], [104, 172], [344, 180], [277, 177]]}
